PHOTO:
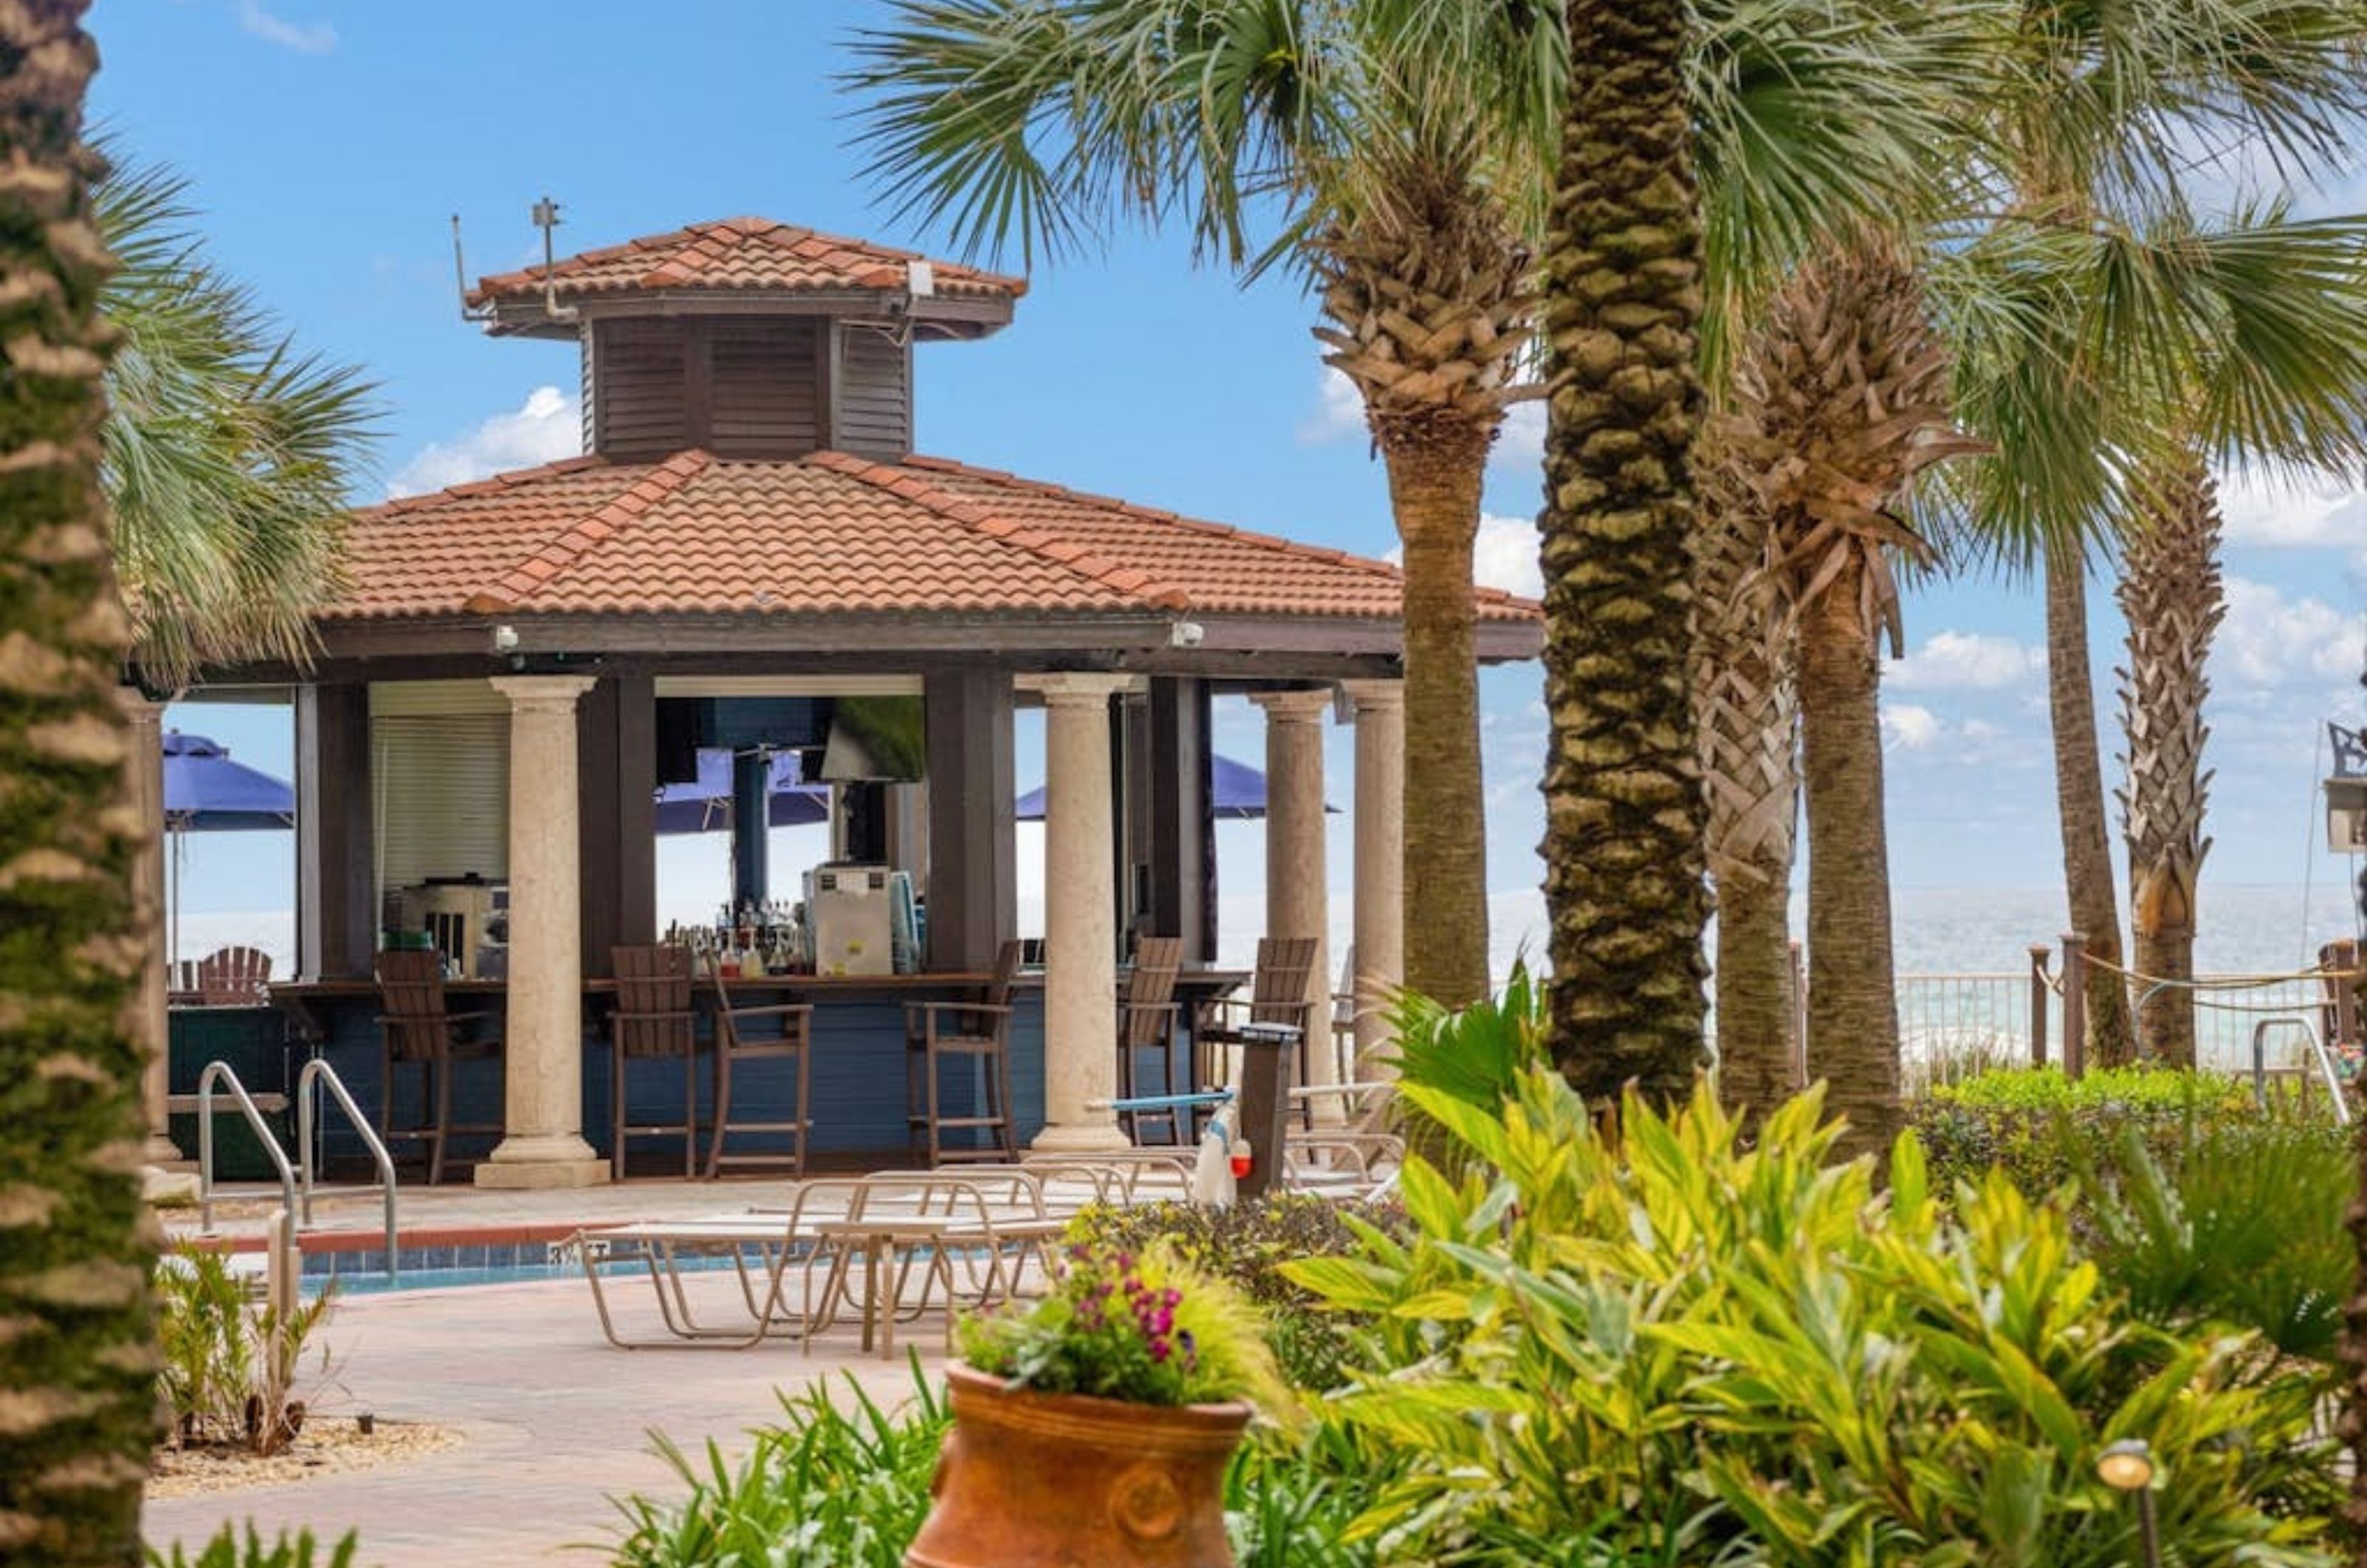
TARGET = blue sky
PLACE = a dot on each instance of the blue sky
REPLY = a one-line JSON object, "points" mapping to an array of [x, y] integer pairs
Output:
{"points": [[329, 144]]}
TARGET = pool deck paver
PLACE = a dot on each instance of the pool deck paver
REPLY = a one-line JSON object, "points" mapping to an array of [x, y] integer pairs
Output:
{"points": [[557, 1420], [557, 1423]]}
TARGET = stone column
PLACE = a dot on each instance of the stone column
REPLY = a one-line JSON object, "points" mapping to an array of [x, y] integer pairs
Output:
{"points": [[1298, 900], [1080, 916], [542, 1037], [146, 770], [1380, 859]]}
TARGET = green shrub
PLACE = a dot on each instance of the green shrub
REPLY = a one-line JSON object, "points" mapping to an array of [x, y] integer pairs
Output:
{"points": [[2241, 1224], [1248, 1244], [834, 1488], [2029, 1123], [231, 1365], [1683, 1351], [845, 1488], [228, 1550], [1476, 1055]]}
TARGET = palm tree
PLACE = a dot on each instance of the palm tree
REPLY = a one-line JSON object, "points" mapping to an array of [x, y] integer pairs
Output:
{"points": [[1624, 812], [1839, 400], [2123, 99], [1399, 148], [2279, 382], [2169, 590], [2061, 322], [77, 1364], [229, 457], [1813, 126]]}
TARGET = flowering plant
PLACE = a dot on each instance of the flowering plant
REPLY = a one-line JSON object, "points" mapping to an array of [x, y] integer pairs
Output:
{"points": [[1145, 1327]]}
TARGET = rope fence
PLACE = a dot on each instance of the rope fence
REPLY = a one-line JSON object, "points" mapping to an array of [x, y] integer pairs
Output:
{"points": [[1952, 1025]]}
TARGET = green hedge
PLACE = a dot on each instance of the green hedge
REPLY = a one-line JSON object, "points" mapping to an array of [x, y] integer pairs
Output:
{"points": [[2031, 1123]]}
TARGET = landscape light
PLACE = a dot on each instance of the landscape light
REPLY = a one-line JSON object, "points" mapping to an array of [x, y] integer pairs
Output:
{"points": [[2128, 1466]]}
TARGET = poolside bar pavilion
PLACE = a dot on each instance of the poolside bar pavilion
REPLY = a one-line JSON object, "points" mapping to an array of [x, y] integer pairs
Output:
{"points": [[515, 665]]}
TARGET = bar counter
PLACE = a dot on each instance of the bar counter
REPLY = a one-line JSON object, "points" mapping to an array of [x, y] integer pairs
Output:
{"points": [[857, 1088], [858, 1071]]}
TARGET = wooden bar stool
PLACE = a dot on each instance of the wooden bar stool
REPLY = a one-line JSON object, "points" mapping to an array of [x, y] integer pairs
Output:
{"points": [[1278, 998], [1145, 1022], [416, 1028], [792, 1045], [656, 1018], [974, 1031]]}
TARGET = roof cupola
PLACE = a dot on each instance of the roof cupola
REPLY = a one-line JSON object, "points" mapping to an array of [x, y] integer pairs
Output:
{"points": [[746, 338]]}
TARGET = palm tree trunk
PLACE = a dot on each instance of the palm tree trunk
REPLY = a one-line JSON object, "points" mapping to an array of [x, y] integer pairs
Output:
{"points": [[1756, 1068], [1748, 729], [2169, 592], [1624, 882], [2080, 802], [1435, 475], [1853, 1009], [78, 1415]]}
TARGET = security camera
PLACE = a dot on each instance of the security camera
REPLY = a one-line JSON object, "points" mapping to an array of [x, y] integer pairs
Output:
{"points": [[1185, 634], [506, 639]]}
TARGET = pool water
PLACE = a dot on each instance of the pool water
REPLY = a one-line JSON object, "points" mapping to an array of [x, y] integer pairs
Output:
{"points": [[358, 1283]]}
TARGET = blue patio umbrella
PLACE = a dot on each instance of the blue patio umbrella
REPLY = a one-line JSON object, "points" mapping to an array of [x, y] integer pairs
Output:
{"points": [[1239, 792], [205, 792], [704, 806]]}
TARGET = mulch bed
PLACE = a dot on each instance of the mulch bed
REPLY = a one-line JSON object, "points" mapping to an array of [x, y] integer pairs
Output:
{"points": [[328, 1446]]}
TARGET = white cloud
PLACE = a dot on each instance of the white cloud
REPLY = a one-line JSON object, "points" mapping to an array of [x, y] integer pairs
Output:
{"points": [[1339, 410], [2325, 512], [2268, 639], [1522, 442], [1503, 556], [305, 38], [1907, 724], [547, 427], [1952, 661]]}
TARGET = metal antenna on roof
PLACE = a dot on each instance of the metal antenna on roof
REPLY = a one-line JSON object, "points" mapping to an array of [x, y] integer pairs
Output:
{"points": [[546, 217], [469, 313]]}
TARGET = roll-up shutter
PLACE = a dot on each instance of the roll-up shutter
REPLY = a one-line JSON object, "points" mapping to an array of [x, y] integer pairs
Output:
{"points": [[440, 770]]}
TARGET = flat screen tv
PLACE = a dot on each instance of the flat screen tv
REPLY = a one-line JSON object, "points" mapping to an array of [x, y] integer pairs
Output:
{"points": [[875, 738]]}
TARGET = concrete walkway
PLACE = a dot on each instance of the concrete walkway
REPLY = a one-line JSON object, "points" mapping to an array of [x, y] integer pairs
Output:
{"points": [[557, 1420]]}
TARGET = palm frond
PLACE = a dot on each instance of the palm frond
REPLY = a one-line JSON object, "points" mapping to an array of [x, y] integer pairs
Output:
{"points": [[2087, 353], [228, 457]]}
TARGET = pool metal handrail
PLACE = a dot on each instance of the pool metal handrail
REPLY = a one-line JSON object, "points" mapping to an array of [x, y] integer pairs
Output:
{"points": [[315, 1071], [2318, 1054], [222, 1071]]}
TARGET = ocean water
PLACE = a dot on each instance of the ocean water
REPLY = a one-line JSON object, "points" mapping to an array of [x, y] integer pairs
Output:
{"points": [[2245, 929]]}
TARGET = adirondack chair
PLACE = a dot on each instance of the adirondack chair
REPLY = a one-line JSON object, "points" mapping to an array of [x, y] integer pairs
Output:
{"points": [[232, 977]]}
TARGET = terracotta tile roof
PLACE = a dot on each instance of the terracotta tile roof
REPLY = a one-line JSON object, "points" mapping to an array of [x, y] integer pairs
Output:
{"points": [[1214, 568], [829, 534], [741, 253]]}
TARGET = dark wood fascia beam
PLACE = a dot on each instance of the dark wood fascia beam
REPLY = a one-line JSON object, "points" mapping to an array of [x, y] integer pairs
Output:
{"points": [[941, 316], [879, 637], [1497, 641], [463, 650]]}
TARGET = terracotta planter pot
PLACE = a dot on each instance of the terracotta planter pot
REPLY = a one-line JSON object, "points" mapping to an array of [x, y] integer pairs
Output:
{"points": [[1064, 1480]]}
